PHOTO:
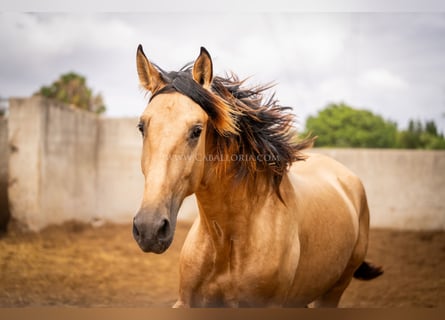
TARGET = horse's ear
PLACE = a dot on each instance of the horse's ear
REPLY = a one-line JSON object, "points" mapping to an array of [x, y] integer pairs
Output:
{"points": [[149, 76], [203, 69]]}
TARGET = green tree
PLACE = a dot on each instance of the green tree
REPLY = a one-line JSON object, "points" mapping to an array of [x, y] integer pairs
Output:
{"points": [[71, 88], [419, 136], [339, 125]]}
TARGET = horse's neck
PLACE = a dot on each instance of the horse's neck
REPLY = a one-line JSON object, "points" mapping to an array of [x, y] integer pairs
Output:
{"points": [[227, 209]]}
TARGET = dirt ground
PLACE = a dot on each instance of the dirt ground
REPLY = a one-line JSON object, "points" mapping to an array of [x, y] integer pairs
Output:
{"points": [[81, 265]]}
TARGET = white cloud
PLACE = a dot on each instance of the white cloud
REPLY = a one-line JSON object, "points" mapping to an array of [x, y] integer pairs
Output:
{"points": [[381, 79], [43, 36], [336, 89], [390, 63]]}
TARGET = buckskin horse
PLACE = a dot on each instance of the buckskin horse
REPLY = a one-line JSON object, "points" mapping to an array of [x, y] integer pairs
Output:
{"points": [[276, 227]]}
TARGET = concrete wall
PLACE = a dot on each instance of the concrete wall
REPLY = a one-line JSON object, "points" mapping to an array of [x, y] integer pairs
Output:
{"points": [[4, 156], [120, 180], [24, 135], [52, 163], [67, 164], [405, 188]]}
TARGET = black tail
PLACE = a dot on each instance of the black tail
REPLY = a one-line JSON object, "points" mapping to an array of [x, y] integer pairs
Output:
{"points": [[367, 271]]}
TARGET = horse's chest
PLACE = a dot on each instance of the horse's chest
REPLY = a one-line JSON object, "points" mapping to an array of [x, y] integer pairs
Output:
{"points": [[252, 272], [243, 286]]}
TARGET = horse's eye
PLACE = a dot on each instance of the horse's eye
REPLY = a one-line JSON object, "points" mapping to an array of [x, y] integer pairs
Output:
{"points": [[195, 133], [141, 128]]}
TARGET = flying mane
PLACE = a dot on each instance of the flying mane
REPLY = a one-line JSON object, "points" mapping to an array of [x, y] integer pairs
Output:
{"points": [[251, 136]]}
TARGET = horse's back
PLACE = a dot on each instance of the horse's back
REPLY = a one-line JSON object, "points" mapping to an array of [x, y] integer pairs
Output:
{"points": [[333, 220]]}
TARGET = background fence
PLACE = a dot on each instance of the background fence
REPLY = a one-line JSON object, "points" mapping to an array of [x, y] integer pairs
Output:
{"points": [[59, 163]]}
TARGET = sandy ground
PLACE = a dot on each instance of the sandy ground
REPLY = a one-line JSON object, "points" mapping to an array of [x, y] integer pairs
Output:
{"points": [[81, 265]]}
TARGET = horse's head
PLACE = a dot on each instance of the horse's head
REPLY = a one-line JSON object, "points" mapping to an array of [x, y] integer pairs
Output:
{"points": [[173, 128]]}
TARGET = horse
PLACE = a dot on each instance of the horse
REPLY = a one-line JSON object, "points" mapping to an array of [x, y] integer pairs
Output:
{"points": [[278, 226]]}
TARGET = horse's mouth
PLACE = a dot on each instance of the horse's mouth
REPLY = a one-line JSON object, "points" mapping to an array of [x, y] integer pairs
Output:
{"points": [[156, 246]]}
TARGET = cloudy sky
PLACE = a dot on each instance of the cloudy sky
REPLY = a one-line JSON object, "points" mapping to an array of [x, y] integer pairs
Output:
{"points": [[390, 63]]}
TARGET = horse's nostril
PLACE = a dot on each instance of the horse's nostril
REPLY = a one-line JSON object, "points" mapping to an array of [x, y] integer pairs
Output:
{"points": [[135, 230], [164, 229]]}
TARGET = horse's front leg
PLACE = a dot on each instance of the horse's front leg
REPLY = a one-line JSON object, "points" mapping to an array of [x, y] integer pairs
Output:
{"points": [[180, 304]]}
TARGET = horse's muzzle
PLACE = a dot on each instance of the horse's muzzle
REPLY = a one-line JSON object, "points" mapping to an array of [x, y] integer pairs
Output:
{"points": [[152, 236]]}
